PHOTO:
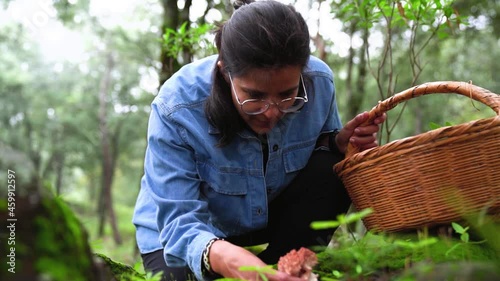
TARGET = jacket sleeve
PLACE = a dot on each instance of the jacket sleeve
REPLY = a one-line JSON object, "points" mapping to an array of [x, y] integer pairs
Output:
{"points": [[172, 181]]}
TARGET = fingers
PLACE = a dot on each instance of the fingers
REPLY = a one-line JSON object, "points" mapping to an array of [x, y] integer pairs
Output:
{"points": [[365, 137], [359, 119], [366, 130], [356, 121], [364, 141], [381, 119]]}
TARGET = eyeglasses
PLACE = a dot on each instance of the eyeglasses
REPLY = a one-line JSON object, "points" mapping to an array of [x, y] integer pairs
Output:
{"points": [[258, 106]]}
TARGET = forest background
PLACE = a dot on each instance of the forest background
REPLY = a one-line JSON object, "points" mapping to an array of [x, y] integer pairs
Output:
{"points": [[77, 78]]}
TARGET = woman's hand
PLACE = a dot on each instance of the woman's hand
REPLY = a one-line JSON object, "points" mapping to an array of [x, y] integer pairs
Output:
{"points": [[363, 137], [226, 259]]}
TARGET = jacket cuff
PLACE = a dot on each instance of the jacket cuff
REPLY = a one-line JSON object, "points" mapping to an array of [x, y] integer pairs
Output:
{"points": [[195, 254]]}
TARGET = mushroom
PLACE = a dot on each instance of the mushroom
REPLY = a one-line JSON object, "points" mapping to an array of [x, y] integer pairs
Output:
{"points": [[299, 264]]}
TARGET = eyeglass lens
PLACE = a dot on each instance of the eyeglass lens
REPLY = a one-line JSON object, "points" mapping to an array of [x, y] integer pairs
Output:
{"points": [[258, 106], [255, 106]]}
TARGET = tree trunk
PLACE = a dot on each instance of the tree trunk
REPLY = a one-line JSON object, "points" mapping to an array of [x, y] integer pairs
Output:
{"points": [[172, 19], [350, 72], [319, 41], [34, 154], [101, 210], [107, 157], [356, 81], [362, 73], [59, 167]]}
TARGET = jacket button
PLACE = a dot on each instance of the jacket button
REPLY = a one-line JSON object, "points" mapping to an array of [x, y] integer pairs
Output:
{"points": [[275, 147], [259, 211]]}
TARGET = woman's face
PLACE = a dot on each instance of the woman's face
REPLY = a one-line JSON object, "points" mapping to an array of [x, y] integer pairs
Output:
{"points": [[271, 85]]}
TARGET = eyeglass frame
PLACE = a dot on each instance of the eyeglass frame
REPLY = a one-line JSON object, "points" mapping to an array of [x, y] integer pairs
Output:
{"points": [[269, 103]]}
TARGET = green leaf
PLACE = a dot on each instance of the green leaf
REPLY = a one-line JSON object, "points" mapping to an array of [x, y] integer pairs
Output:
{"points": [[359, 269], [452, 249], [354, 217], [416, 245], [438, 4], [465, 237], [166, 36], [182, 29], [342, 219], [324, 224], [336, 273], [348, 8], [458, 228], [328, 279], [434, 126], [259, 269], [448, 11]]}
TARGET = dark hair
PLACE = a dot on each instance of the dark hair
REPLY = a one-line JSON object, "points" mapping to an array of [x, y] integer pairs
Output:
{"points": [[263, 34]]}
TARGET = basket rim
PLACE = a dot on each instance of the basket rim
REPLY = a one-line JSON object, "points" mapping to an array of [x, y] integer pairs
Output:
{"points": [[469, 90], [438, 137]]}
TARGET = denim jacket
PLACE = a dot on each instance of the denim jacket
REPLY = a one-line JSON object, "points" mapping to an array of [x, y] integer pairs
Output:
{"points": [[193, 190]]}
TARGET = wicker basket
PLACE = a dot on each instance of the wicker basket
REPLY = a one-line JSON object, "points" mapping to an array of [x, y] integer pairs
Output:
{"points": [[432, 178]]}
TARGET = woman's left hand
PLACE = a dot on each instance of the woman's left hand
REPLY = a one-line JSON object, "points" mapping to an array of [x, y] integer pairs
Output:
{"points": [[363, 137]]}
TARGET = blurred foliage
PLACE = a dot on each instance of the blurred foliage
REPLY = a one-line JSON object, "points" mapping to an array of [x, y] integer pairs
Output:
{"points": [[446, 37], [67, 10], [192, 40]]}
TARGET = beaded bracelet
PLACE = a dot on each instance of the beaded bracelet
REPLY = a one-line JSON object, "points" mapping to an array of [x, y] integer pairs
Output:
{"points": [[206, 252]]}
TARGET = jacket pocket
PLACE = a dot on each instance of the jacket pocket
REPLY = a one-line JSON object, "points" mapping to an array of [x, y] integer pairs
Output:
{"points": [[223, 180], [226, 190]]}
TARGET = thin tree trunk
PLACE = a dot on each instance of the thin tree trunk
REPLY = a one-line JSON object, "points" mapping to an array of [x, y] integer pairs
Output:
{"points": [[107, 157], [101, 210], [172, 19], [362, 73], [92, 189], [356, 81], [36, 158], [59, 167], [350, 72]]}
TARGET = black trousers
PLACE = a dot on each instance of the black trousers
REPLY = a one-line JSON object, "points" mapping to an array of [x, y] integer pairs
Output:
{"points": [[316, 194]]}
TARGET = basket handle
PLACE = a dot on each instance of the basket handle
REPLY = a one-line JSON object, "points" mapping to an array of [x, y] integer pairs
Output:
{"points": [[477, 93]]}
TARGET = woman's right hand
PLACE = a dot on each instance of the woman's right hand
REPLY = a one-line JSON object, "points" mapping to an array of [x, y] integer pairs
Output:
{"points": [[361, 136], [226, 259]]}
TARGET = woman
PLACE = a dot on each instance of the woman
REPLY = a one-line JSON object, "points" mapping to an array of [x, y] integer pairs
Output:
{"points": [[240, 152]]}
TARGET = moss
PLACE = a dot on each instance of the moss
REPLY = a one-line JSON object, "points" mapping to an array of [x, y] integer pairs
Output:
{"points": [[120, 270], [50, 242], [474, 271], [377, 255], [61, 237]]}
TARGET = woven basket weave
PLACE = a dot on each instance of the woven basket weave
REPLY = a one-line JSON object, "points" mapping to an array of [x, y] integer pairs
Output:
{"points": [[432, 178]]}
